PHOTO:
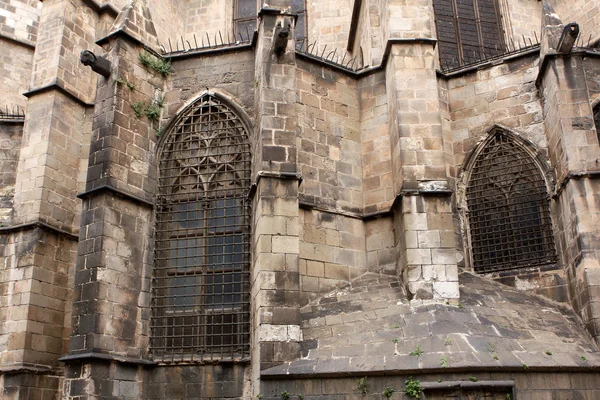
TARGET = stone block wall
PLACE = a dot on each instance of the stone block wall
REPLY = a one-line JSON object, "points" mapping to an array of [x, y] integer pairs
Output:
{"points": [[19, 19], [210, 17], [15, 65], [410, 19], [10, 144], [231, 74], [378, 190], [35, 300], [521, 18], [332, 250], [585, 12], [329, 138], [329, 23], [505, 95], [526, 386]]}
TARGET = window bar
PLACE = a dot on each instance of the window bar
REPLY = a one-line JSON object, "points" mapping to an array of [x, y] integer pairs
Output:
{"points": [[201, 282]]}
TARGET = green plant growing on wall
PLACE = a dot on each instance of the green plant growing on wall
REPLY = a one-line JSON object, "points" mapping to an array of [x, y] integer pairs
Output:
{"points": [[584, 358], [444, 361], [285, 395], [388, 392], [138, 108], [448, 342], [412, 388], [418, 352], [473, 379], [124, 81], [157, 64], [548, 353], [152, 111], [301, 396], [363, 385]]}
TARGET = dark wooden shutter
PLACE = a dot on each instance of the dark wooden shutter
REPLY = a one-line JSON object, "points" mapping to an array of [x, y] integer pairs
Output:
{"points": [[468, 31]]}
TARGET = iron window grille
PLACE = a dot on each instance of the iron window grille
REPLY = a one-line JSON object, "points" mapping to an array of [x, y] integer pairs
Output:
{"points": [[509, 215], [468, 31], [200, 309]]}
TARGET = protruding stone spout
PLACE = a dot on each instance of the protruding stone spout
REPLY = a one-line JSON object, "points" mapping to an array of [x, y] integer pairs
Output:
{"points": [[100, 65], [568, 38]]}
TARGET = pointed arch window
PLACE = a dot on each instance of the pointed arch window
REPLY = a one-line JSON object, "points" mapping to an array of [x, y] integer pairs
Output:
{"points": [[200, 308], [509, 215]]}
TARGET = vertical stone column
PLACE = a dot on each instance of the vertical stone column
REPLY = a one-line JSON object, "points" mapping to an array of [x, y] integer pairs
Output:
{"points": [[275, 275], [39, 247], [426, 243], [111, 302], [575, 156]]}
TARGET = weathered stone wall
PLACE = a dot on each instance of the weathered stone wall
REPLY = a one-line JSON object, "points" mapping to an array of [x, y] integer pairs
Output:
{"points": [[210, 17], [332, 250], [585, 12], [527, 386], [329, 23], [15, 68], [35, 300], [521, 18], [375, 143], [412, 19], [19, 19], [329, 138], [505, 95], [10, 144], [131, 382], [230, 73], [592, 76]]}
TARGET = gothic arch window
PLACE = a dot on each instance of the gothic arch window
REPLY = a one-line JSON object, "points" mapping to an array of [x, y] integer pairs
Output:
{"points": [[508, 208], [468, 31], [200, 286]]}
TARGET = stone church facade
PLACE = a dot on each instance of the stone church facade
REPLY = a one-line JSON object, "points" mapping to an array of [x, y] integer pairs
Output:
{"points": [[299, 199]]}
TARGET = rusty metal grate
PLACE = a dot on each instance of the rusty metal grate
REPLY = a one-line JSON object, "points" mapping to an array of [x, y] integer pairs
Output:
{"points": [[200, 309], [509, 215]]}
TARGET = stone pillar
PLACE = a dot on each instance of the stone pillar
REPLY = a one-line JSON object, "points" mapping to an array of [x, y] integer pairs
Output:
{"points": [[424, 227], [39, 247], [275, 274], [575, 157], [111, 301]]}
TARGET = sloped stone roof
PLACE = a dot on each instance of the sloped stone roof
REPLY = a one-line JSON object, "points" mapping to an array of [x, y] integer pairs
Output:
{"points": [[135, 20], [369, 326]]}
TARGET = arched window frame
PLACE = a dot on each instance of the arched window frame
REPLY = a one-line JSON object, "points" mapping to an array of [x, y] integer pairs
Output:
{"points": [[221, 333], [543, 167]]}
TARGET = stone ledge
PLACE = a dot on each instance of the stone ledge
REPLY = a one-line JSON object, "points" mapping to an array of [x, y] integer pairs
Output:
{"points": [[56, 86], [105, 357], [121, 193], [42, 225]]}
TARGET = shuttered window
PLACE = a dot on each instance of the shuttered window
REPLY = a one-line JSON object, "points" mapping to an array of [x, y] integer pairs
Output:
{"points": [[244, 18], [468, 31]]}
